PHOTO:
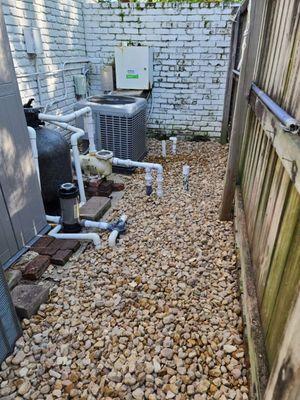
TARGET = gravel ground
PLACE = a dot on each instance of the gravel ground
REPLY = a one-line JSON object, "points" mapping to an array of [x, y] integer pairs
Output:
{"points": [[158, 317]]}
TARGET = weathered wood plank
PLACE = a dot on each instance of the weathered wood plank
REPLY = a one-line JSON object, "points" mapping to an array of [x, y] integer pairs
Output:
{"points": [[262, 169], [279, 46], [249, 171], [291, 89], [254, 171], [257, 12], [281, 253], [250, 139], [284, 383], [287, 145], [287, 295], [263, 200], [268, 249], [260, 241], [245, 146], [256, 348], [282, 72], [229, 82]]}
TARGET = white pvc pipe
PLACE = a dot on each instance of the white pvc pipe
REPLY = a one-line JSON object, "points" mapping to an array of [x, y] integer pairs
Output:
{"points": [[78, 133], [129, 163], [174, 144], [62, 121], [89, 127], [105, 225], [53, 218], [112, 240], [148, 179], [95, 224], [163, 149], [64, 118], [186, 173], [94, 237], [32, 136]]}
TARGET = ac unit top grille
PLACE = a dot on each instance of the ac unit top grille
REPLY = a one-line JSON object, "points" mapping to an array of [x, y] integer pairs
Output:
{"points": [[112, 100]]}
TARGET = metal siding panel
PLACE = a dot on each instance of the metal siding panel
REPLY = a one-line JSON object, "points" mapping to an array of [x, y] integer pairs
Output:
{"points": [[8, 244], [17, 173], [9, 324]]}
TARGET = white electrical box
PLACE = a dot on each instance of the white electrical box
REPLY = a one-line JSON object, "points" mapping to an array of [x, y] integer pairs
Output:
{"points": [[33, 41], [134, 67]]}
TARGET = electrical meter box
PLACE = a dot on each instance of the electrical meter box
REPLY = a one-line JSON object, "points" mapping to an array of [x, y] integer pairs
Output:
{"points": [[134, 67]]}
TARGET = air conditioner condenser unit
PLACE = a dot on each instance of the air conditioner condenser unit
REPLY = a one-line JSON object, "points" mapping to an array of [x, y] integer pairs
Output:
{"points": [[120, 124]]}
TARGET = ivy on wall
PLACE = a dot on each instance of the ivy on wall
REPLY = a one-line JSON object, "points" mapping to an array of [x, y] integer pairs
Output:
{"points": [[172, 1]]}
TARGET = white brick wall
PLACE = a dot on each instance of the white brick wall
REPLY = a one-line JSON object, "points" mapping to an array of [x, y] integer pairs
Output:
{"points": [[62, 30], [191, 44]]}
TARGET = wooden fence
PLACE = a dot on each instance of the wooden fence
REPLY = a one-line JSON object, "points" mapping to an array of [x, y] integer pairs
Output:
{"points": [[265, 162]]}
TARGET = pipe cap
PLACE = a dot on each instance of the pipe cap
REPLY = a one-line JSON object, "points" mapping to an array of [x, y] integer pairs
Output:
{"points": [[68, 191]]}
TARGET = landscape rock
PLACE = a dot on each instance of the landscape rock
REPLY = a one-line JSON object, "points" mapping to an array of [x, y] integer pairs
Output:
{"points": [[156, 317]]}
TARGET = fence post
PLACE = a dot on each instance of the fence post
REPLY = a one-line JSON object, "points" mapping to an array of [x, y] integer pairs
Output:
{"points": [[229, 82], [257, 15]]}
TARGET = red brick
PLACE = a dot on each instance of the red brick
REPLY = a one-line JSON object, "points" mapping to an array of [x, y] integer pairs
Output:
{"points": [[118, 187], [35, 268], [69, 244], [105, 188], [61, 257], [92, 191], [44, 241], [56, 244], [94, 183], [46, 251]]}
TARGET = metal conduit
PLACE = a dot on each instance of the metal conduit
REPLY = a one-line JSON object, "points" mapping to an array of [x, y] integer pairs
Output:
{"points": [[290, 123]]}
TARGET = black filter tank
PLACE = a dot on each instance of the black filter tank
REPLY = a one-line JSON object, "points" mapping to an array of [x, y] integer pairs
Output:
{"points": [[54, 159], [54, 163]]}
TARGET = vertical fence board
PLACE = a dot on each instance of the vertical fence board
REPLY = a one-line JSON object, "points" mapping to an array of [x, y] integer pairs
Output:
{"points": [[262, 169], [286, 298], [284, 382], [282, 250], [254, 167], [267, 217], [269, 168], [274, 224]]}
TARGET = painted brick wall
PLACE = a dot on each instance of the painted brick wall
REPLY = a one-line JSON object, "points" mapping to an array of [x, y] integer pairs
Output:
{"points": [[191, 44], [62, 30]]}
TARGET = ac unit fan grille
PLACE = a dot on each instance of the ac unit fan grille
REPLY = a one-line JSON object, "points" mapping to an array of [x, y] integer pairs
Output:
{"points": [[124, 136]]}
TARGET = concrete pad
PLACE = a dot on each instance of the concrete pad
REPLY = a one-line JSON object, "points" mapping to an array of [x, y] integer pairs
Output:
{"points": [[94, 208], [13, 277], [28, 298]]}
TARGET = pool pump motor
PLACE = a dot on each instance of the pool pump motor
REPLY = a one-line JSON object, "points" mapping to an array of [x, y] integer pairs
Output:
{"points": [[69, 205]]}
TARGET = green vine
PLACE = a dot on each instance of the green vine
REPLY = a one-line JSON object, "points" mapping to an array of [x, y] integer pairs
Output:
{"points": [[122, 16], [150, 3]]}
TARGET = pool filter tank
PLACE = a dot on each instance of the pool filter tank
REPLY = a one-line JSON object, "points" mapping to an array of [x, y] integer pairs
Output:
{"points": [[55, 166], [68, 197]]}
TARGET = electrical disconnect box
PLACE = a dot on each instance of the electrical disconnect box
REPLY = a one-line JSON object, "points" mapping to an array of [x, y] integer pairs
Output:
{"points": [[33, 41], [134, 67]]}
